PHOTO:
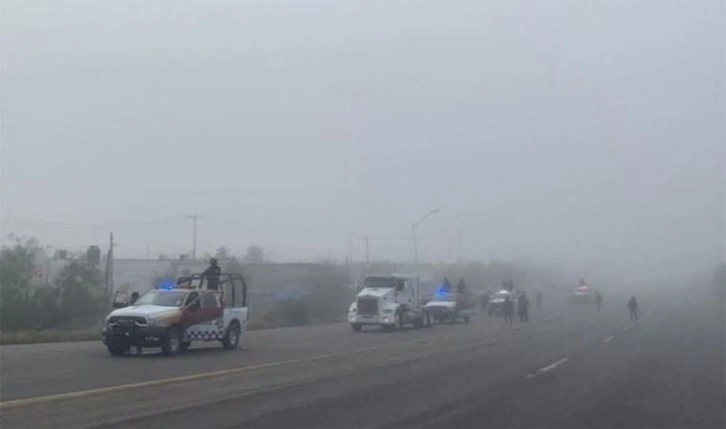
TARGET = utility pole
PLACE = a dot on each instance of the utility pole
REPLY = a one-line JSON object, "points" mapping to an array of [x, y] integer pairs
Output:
{"points": [[350, 255], [368, 251], [458, 247], [413, 230], [194, 234], [109, 265]]}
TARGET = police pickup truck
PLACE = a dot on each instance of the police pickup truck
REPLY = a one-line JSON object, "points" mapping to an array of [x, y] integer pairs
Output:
{"points": [[174, 316]]}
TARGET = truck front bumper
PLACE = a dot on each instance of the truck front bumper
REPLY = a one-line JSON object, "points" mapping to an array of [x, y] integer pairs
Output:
{"points": [[139, 336], [374, 319]]}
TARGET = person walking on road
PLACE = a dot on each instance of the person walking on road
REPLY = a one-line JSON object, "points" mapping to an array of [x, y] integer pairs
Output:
{"points": [[484, 301], [523, 309], [508, 310], [634, 308], [598, 301], [539, 298]]}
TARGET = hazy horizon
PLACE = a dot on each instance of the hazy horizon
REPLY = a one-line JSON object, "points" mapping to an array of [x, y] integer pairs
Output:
{"points": [[541, 136]]}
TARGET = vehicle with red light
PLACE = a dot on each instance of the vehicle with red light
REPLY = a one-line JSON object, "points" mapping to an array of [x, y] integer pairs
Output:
{"points": [[583, 293]]}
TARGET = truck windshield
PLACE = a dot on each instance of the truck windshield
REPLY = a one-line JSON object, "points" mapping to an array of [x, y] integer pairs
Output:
{"points": [[164, 299], [380, 282]]}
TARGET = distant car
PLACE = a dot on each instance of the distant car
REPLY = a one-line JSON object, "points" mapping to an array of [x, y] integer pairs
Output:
{"points": [[582, 295], [496, 302], [174, 316], [451, 307]]}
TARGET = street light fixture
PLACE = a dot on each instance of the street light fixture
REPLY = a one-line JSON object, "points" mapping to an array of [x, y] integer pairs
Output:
{"points": [[413, 230]]}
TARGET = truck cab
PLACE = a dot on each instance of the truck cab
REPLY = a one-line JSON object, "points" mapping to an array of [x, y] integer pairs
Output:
{"points": [[389, 301]]}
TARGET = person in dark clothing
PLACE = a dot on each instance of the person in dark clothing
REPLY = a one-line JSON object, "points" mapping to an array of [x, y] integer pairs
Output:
{"points": [[634, 308], [523, 309], [508, 310], [484, 301], [134, 297], [539, 298], [446, 287], [212, 274], [598, 301], [461, 286]]}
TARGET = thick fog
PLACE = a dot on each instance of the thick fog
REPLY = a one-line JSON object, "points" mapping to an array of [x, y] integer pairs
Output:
{"points": [[589, 135]]}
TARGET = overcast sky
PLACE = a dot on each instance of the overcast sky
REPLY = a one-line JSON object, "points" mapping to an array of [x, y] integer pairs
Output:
{"points": [[566, 131]]}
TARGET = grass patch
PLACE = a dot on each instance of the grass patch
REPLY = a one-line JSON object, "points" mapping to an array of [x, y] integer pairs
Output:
{"points": [[32, 337]]}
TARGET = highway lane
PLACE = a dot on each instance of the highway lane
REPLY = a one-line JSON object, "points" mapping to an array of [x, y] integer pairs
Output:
{"points": [[567, 369], [46, 369]]}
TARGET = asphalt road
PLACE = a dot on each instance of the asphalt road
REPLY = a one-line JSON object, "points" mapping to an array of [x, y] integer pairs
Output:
{"points": [[569, 368]]}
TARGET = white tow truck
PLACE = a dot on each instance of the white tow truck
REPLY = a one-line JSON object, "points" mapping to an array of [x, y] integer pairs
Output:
{"points": [[389, 301]]}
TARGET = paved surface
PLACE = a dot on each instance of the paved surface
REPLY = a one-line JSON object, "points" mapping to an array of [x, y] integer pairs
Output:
{"points": [[569, 368]]}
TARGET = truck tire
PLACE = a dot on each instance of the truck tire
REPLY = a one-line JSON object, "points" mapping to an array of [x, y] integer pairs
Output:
{"points": [[116, 349], [231, 337], [356, 327], [172, 344], [419, 323]]}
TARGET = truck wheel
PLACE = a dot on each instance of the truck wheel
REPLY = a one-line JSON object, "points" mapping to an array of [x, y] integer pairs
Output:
{"points": [[419, 323], [356, 327], [116, 349], [171, 345], [186, 345], [231, 338]]}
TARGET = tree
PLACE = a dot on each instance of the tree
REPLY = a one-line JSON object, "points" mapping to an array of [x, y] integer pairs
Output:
{"points": [[222, 253], [80, 297], [255, 255], [18, 264]]}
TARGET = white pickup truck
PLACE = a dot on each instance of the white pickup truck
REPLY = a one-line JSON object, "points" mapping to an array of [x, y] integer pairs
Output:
{"points": [[174, 317]]}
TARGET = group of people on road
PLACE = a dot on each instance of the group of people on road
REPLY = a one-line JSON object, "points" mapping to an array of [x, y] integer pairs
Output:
{"points": [[522, 309]]}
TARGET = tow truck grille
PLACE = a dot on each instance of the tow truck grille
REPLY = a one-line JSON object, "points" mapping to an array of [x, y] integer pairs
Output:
{"points": [[367, 306]]}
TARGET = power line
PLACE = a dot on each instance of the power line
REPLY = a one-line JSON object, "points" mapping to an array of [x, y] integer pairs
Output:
{"points": [[42, 224]]}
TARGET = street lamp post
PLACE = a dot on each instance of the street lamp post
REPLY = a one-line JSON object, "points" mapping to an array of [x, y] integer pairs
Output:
{"points": [[413, 230]]}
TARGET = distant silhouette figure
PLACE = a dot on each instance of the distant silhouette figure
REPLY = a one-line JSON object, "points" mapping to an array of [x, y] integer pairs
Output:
{"points": [[446, 287], [134, 297], [523, 309], [508, 310], [212, 274], [598, 301], [461, 286], [539, 298], [634, 308]]}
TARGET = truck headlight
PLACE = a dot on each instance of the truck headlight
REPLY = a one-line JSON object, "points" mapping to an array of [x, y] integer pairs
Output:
{"points": [[158, 323], [352, 310]]}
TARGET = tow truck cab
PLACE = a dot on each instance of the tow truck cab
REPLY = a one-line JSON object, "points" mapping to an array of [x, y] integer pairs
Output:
{"points": [[389, 301]]}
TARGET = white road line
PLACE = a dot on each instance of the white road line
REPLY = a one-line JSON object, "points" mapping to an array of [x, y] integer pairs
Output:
{"points": [[607, 340], [547, 368], [184, 378]]}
